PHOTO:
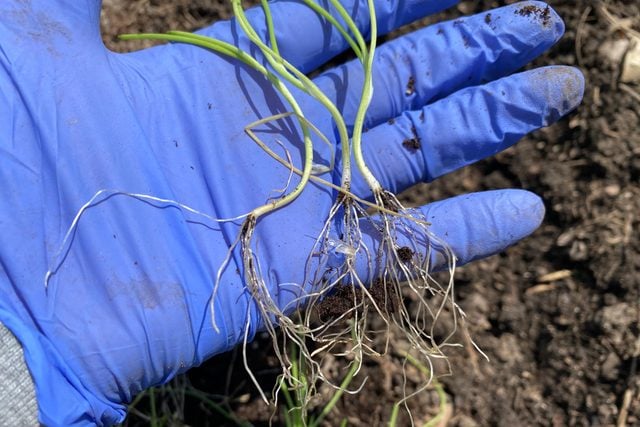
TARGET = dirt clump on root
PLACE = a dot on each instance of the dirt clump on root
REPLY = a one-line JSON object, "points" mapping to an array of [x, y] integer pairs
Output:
{"points": [[405, 254], [389, 202], [346, 297]]}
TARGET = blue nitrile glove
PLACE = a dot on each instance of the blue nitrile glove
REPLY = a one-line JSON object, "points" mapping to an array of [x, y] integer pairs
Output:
{"points": [[128, 304]]}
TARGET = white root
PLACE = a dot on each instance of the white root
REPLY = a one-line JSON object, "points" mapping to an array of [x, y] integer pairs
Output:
{"points": [[349, 334]]}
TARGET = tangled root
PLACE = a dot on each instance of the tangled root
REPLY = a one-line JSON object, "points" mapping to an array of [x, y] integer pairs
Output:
{"points": [[357, 295]]}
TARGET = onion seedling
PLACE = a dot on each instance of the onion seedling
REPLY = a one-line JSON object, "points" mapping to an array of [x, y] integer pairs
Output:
{"points": [[399, 269]]}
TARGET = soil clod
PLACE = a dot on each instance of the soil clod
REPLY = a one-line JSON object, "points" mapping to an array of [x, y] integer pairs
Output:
{"points": [[405, 254], [337, 304], [389, 202], [346, 298], [384, 296], [411, 86], [412, 144]]}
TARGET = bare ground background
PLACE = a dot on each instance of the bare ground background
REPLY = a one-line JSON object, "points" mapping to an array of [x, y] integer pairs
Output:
{"points": [[558, 314]]}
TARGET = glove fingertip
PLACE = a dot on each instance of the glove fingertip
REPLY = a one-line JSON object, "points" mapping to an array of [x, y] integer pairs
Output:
{"points": [[523, 212], [540, 13], [478, 225], [562, 90]]}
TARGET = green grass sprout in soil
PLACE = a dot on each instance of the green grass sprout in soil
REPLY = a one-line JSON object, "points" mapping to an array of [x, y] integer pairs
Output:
{"points": [[398, 269]]}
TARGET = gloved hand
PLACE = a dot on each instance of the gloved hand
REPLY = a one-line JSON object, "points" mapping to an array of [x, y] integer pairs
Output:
{"points": [[127, 305]]}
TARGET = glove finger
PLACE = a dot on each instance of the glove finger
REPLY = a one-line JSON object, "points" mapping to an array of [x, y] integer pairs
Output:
{"points": [[434, 62], [473, 123], [473, 226], [307, 41]]}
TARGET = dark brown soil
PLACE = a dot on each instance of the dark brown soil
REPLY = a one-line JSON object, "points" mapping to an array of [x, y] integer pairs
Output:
{"points": [[337, 304], [411, 86], [389, 202], [412, 144], [405, 254], [541, 14], [346, 297], [558, 314]]}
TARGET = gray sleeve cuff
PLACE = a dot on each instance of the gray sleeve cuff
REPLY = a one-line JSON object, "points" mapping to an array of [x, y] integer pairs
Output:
{"points": [[18, 405]]}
